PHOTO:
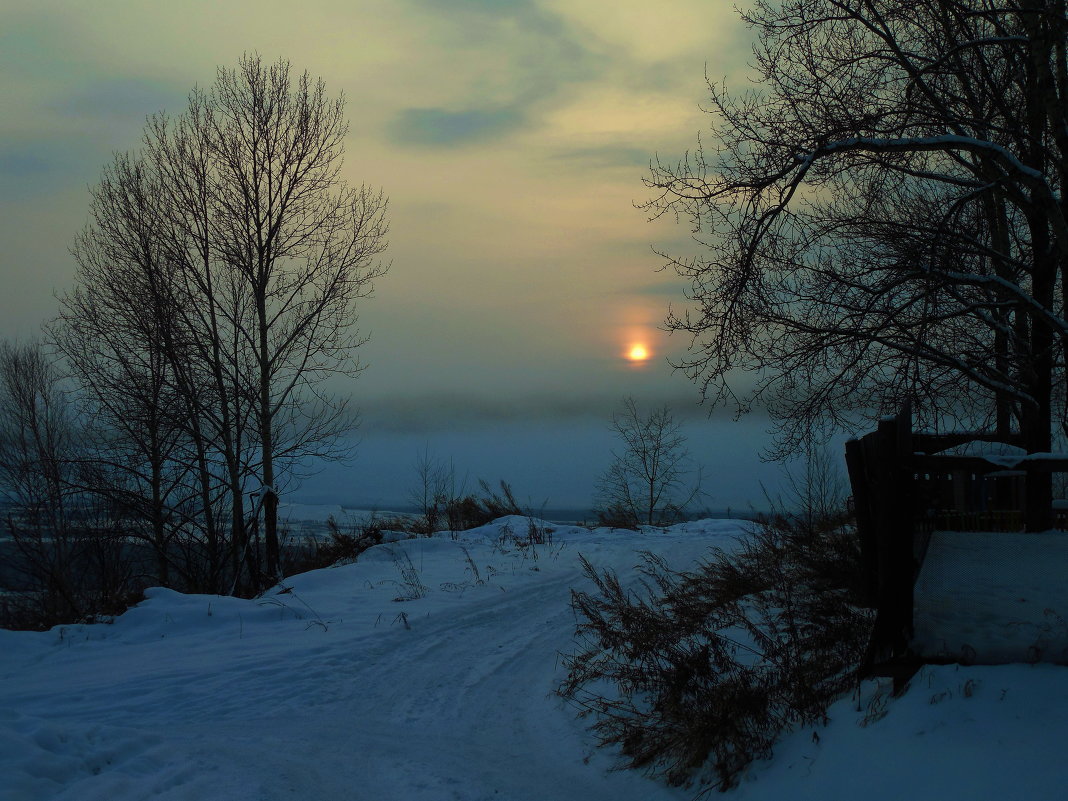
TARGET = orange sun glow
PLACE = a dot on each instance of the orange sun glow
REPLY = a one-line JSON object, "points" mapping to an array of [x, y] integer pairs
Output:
{"points": [[638, 353]]}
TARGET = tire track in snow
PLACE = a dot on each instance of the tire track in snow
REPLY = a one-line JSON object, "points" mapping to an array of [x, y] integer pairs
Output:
{"points": [[459, 706]]}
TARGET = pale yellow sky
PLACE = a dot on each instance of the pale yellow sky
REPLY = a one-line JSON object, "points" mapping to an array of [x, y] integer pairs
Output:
{"points": [[510, 135]]}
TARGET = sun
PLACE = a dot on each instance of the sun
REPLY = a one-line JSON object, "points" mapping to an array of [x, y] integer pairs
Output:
{"points": [[638, 353]]}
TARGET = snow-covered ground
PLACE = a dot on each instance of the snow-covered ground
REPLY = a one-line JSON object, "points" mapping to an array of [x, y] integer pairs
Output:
{"points": [[346, 685], [993, 597]]}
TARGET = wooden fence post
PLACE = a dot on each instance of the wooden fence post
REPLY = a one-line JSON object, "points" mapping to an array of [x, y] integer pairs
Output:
{"points": [[880, 470], [864, 508]]}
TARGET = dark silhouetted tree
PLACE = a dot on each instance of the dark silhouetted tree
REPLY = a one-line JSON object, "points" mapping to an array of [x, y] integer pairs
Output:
{"points": [[884, 219], [218, 284]]}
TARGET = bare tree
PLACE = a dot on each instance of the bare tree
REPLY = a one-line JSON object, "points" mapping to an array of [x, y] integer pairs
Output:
{"points": [[115, 330], [649, 480], [815, 490], [210, 357], [36, 435], [62, 560], [235, 244], [436, 488], [884, 219], [302, 244]]}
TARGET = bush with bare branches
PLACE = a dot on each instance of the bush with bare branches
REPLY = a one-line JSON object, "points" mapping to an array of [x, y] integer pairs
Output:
{"points": [[706, 668]]}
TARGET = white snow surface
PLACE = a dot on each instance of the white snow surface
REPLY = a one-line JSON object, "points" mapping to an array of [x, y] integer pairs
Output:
{"points": [[993, 597], [331, 688], [999, 453]]}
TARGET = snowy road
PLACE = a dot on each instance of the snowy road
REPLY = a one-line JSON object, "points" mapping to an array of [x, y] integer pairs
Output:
{"points": [[334, 691], [197, 697]]}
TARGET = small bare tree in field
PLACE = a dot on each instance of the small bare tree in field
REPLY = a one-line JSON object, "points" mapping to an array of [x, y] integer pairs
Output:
{"points": [[435, 489], [649, 480]]}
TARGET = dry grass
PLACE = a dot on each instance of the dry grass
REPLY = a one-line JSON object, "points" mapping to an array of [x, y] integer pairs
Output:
{"points": [[698, 673]]}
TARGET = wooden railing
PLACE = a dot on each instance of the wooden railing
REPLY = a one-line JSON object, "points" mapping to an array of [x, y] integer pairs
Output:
{"points": [[903, 489]]}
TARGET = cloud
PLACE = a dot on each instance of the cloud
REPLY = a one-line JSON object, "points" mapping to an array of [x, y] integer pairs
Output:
{"points": [[437, 127], [606, 157], [504, 59], [35, 45], [672, 288], [16, 163], [121, 97], [39, 167], [508, 8]]}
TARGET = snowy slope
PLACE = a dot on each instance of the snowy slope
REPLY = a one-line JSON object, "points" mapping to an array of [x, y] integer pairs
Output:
{"points": [[335, 689]]}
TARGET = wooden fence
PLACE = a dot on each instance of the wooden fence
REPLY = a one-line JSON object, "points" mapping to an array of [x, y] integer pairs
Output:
{"points": [[903, 489]]}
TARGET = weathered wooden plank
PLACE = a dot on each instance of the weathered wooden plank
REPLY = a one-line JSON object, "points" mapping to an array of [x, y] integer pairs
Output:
{"points": [[861, 482]]}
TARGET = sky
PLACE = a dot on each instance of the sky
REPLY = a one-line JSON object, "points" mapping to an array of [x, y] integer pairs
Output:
{"points": [[511, 137]]}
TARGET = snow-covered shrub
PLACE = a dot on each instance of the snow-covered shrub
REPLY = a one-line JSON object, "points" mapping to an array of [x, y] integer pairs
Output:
{"points": [[696, 674]]}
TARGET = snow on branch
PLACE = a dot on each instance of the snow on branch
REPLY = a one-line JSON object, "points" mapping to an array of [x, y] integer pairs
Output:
{"points": [[942, 142]]}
